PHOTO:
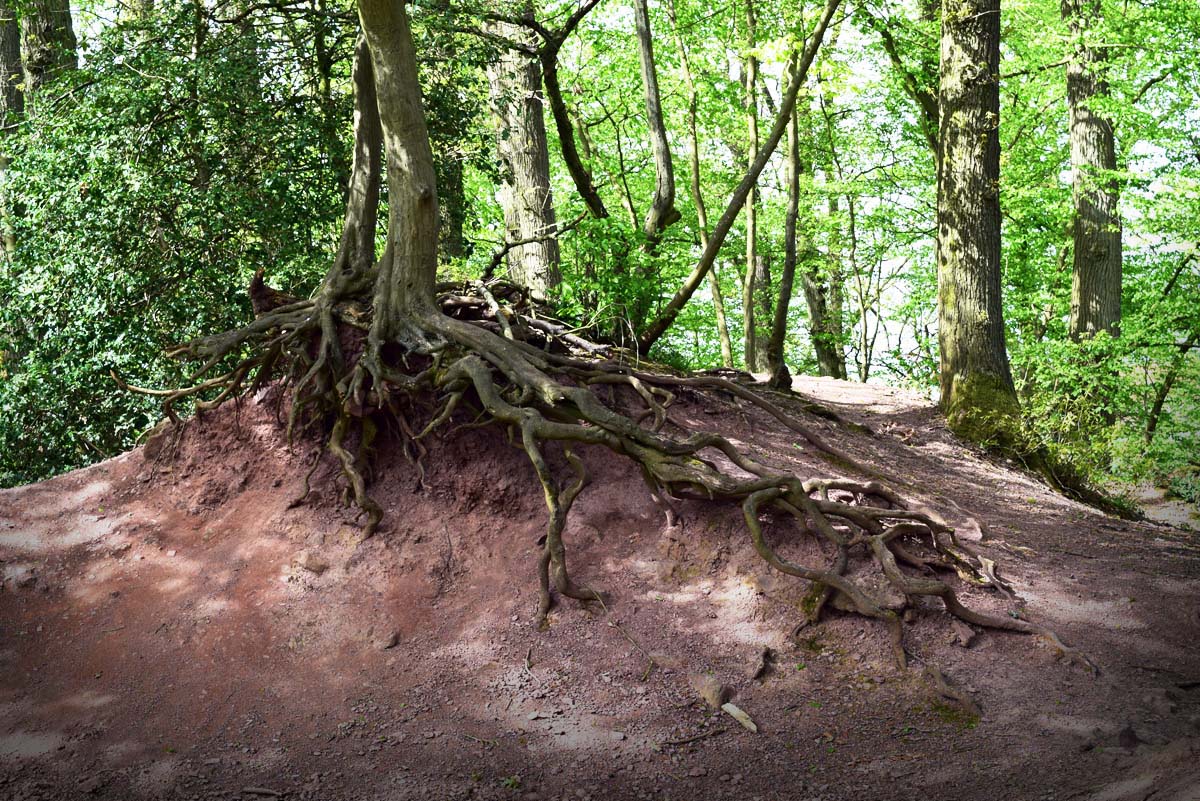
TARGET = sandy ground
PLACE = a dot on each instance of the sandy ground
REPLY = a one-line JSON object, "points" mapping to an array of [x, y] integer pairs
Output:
{"points": [[172, 627]]}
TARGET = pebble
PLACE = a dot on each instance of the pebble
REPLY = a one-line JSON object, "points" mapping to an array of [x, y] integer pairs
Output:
{"points": [[697, 772]]}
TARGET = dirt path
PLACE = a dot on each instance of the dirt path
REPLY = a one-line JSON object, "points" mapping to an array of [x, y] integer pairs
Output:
{"points": [[170, 628]]}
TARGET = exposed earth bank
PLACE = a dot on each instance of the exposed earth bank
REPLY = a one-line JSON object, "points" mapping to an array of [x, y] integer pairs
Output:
{"points": [[174, 625]]}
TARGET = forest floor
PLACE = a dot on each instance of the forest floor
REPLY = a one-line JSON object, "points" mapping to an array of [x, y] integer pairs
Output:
{"points": [[171, 628]]}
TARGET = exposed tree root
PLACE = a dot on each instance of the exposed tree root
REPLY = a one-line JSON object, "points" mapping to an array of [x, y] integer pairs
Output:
{"points": [[485, 355]]}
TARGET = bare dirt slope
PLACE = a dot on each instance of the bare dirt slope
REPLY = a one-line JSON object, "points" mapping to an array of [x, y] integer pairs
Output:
{"points": [[170, 627]]}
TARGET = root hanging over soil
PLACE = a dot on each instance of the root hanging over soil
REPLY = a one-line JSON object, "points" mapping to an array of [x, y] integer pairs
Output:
{"points": [[485, 356]]}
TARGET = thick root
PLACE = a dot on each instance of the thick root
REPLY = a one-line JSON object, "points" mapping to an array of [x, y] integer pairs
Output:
{"points": [[482, 354]]}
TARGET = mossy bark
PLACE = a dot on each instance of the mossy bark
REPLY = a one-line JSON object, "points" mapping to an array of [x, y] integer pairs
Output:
{"points": [[976, 382]]}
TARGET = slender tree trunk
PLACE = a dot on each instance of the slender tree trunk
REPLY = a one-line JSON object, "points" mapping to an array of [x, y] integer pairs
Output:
{"points": [[662, 212], [779, 376], [714, 282], [750, 81], [515, 84], [48, 41], [753, 347], [12, 105], [976, 383], [671, 310], [824, 281], [1096, 279], [566, 131], [1168, 383]]}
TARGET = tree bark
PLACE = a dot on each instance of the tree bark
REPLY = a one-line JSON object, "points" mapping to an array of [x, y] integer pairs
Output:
{"points": [[671, 310], [356, 254], [779, 376], [48, 41], [515, 84], [404, 288], [822, 282], [1096, 278], [12, 105], [662, 212], [976, 382]]}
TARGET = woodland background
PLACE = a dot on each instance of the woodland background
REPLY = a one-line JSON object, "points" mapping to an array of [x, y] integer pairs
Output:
{"points": [[156, 155]]}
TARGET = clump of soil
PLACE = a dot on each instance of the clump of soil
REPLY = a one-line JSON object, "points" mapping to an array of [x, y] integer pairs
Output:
{"points": [[173, 624]]}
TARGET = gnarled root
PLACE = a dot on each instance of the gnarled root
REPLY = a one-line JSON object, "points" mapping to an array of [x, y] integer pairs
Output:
{"points": [[535, 380]]}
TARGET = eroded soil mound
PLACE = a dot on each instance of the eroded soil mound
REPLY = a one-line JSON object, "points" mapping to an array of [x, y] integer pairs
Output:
{"points": [[174, 625]]}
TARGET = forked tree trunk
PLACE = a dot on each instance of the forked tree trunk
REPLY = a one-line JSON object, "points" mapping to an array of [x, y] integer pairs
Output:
{"points": [[404, 289], [48, 41], [976, 383], [662, 212], [1096, 278], [515, 90]]}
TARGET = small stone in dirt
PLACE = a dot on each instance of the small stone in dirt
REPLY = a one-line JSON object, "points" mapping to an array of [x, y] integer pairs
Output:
{"points": [[171, 553], [698, 772], [388, 640], [618, 735], [711, 690], [964, 635], [310, 562]]}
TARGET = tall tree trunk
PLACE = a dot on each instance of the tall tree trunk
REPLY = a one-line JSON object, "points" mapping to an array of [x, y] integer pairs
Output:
{"points": [[714, 282], [515, 89], [755, 360], [12, 105], [778, 375], [976, 382], [404, 289], [656, 329], [48, 41], [822, 280], [1096, 279]]}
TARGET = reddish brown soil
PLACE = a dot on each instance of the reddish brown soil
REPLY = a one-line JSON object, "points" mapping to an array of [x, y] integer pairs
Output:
{"points": [[166, 631]]}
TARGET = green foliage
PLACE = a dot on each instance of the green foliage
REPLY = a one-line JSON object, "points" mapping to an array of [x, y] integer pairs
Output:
{"points": [[145, 189]]}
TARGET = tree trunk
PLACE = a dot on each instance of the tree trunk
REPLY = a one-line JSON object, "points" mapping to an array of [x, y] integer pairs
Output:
{"points": [[515, 90], [824, 286], [1168, 383], [48, 45], [662, 212], [755, 361], [656, 329], [823, 295], [976, 383], [714, 282], [404, 288], [356, 254], [779, 376], [12, 105], [1096, 279]]}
